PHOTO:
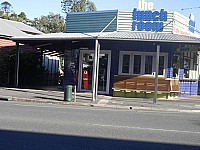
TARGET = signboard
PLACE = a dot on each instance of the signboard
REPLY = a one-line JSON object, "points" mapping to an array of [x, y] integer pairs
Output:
{"points": [[183, 25], [146, 19], [145, 5], [191, 23], [149, 20]]}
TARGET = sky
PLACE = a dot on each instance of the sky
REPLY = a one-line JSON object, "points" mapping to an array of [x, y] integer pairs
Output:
{"points": [[37, 8]]}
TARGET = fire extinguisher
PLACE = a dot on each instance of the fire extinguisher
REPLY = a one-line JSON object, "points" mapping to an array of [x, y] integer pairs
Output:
{"points": [[85, 79]]}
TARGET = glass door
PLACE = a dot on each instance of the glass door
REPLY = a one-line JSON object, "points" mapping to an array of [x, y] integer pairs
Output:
{"points": [[86, 73]]}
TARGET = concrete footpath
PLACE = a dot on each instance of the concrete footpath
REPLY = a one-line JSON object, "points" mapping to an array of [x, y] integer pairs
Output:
{"points": [[184, 104]]}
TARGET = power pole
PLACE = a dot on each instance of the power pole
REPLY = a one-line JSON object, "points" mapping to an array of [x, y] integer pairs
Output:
{"points": [[189, 8]]}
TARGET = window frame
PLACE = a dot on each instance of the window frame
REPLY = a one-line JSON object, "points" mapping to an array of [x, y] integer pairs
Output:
{"points": [[143, 55], [192, 70]]}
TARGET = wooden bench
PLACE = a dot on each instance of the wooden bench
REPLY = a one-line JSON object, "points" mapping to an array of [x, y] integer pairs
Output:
{"points": [[144, 86]]}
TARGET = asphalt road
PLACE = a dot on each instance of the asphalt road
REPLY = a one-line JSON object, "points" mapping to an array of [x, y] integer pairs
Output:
{"points": [[34, 126]]}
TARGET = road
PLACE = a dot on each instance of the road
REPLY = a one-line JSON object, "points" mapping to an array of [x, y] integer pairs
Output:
{"points": [[44, 126]]}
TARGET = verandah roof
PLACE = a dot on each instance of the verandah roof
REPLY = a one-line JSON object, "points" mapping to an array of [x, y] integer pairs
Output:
{"points": [[129, 36]]}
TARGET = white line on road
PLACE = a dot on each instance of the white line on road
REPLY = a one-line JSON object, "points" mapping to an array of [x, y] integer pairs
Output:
{"points": [[26, 105], [90, 108], [151, 129]]}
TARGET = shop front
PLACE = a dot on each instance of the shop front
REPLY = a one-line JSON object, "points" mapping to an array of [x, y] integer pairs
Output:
{"points": [[132, 40], [86, 61], [128, 53]]}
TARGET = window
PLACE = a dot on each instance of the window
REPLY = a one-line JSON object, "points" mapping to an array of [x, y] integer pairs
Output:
{"points": [[161, 65], [195, 63], [176, 64], [138, 63], [126, 64], [190, 64], [148, 64]]}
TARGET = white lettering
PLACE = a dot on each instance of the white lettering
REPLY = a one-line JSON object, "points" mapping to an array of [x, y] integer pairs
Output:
{"points": [[144, 5], [150, 6]]}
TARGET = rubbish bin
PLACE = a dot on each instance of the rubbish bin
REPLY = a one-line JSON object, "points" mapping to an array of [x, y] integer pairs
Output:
{"points": [[68, 93]]}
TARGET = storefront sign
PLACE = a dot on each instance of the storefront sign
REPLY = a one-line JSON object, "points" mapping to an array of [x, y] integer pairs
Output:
{"points": [[149, 20], [145, 5], [192, 23]]}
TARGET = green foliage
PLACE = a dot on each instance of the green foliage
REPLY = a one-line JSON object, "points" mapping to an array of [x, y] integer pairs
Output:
{"points": [[52, 23], [77, 6], [13, 16], [31, 72], [1, 13], [22, 15], [6, 7], [7, 68]]}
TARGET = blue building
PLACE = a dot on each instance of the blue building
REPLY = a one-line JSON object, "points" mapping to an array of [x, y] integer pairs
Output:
{"points": [[126, 53], [131, 48]]}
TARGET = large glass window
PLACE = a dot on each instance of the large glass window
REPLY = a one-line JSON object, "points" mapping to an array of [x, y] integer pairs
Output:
{"points": [[87, 71], [176, 64], [187, 61], [148, 64], [161, 65], [140, 63], [137, 64], [125, 63], [195, 63]]}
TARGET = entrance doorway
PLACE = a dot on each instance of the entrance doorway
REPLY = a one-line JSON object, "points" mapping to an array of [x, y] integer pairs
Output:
{"points": [[86, 71]]}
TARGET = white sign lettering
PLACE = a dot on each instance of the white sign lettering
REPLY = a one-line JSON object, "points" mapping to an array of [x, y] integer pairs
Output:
{"points": [[145, 5]]}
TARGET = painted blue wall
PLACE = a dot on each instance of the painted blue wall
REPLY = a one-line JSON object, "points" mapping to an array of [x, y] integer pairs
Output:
{"points": [[117, 46], [186, 87]]}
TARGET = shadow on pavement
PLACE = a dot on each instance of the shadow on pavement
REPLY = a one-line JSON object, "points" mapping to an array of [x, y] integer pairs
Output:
{"points": [[49, 98], [16, 140]]}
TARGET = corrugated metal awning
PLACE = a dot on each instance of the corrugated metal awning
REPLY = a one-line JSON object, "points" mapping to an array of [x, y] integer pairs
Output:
{"points": [[151, 37], [56, 36], [129, 36], [9, 28]]}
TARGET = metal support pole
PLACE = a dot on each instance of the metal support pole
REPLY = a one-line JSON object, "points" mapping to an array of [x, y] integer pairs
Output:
{"points": [[55, 72], [156, 74], [51, 71], [97, 71], [48, 77], [95, 68], [17, 66], [74, 93], [41, 58]]}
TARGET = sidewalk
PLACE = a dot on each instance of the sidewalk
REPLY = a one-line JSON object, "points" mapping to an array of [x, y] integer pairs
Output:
{"points": [[188, 104]]}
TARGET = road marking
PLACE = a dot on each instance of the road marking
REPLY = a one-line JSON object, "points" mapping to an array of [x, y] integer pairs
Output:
{"points": [[26, 105], [76, 107], [151, 129], [102, 102]]}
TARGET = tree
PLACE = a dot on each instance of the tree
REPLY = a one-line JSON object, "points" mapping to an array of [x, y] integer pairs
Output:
{"points": [[13, 16], [31, 73], [22, 15], [52, 23], [77, 6], [1, 13], [6, 7]]}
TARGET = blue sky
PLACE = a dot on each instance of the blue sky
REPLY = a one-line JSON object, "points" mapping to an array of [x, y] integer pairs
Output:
{"points": [[36, 8]]}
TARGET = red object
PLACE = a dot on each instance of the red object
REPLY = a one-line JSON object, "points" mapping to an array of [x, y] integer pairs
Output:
{"points": [[85, 79], [4, 43]]}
